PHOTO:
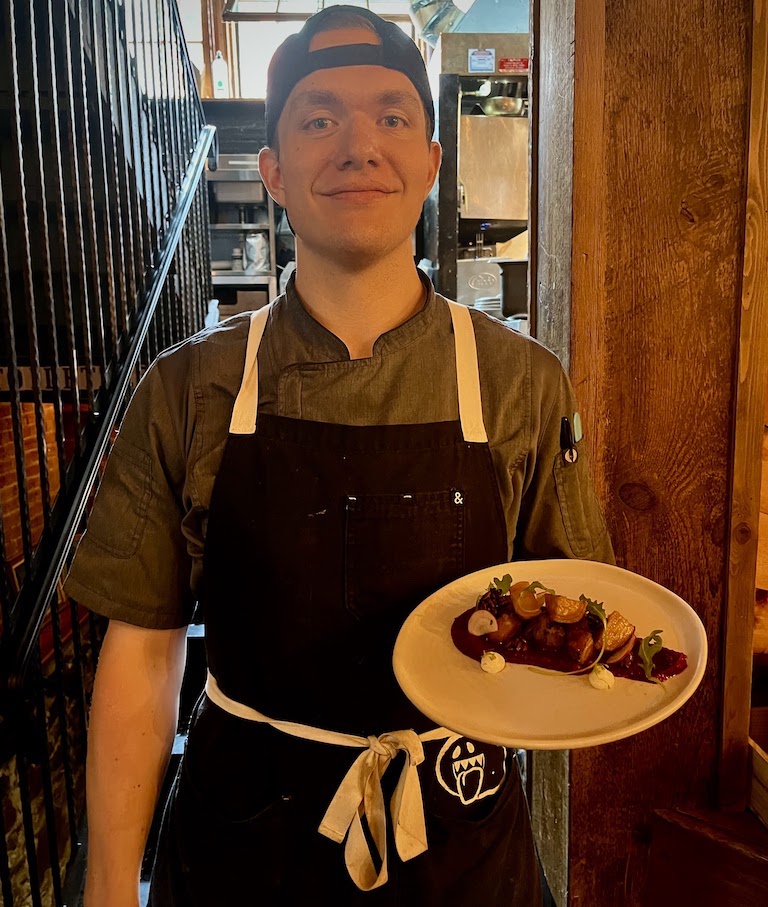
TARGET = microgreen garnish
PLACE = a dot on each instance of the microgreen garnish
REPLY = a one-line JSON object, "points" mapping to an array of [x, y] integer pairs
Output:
{"points": [[534, 586], [650, 645], [503, 585], [595, 608]]}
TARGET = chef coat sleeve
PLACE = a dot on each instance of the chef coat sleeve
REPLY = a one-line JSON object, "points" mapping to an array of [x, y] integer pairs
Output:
{"points": [[132, 564], [560, 515]]}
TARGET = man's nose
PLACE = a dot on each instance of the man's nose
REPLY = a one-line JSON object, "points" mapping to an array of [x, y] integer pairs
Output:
{"points": [[358, 143]]}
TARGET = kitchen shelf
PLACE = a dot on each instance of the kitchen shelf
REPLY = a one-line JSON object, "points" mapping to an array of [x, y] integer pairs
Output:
{"points": [[240, 227], [237, 194], [237, 278]]}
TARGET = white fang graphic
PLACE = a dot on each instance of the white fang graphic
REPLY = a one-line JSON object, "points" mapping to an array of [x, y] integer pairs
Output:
{"points": [[468, 769]]}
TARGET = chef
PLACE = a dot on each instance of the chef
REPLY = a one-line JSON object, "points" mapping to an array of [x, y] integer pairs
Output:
{"points": [[308, 473]]}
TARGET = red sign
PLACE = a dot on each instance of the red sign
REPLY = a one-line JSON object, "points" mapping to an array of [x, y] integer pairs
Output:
{"points": [[509, 64]]}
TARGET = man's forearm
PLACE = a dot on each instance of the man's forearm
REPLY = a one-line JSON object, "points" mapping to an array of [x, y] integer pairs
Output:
{"points": [[133, 721]]}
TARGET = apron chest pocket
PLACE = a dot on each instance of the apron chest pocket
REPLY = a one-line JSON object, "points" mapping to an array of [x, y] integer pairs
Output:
{"points": [[399, 548]]}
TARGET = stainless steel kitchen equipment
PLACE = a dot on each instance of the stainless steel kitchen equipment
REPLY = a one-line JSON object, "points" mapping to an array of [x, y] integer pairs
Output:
{"points": [[240, 206], [493, 166], [485, 278], [483, 184], [477, 278], [502, 106]]}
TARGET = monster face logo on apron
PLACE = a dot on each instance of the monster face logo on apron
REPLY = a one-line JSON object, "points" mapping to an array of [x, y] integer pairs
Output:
{"points": [[470, 770]]}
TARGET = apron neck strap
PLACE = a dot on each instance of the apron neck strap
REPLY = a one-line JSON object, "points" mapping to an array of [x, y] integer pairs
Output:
{"points": [[467, 375], [243, 420], [246, 406]]}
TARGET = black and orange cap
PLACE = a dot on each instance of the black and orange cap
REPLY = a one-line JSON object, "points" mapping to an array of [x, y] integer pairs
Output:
{"points": [[293, 61]]}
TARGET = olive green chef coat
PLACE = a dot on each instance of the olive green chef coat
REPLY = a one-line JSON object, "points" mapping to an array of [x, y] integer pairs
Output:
{"points": [[141, 559]]}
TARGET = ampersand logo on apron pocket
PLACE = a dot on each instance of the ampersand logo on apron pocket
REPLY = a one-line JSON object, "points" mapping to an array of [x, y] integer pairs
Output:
{"points": [[470, 770]]}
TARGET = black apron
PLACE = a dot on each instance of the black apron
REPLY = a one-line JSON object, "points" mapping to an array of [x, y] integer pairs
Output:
{"points": [[321, 539]]}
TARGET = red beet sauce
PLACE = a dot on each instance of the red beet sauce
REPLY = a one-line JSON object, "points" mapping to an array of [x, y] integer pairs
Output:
{"points": [[666, 663]]}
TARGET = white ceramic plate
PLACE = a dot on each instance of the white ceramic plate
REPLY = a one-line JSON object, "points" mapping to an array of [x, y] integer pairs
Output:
{"points": [[521, 708]]}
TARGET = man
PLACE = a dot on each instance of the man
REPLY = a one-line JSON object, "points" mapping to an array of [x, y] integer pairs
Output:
{"points": [[310, 473]]}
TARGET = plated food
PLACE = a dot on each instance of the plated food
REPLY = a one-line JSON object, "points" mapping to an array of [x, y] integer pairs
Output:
{"points": [[531, 624], [533, 706]]}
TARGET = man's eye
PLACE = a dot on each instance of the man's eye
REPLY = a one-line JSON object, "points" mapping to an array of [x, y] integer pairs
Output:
{"points": [[397, 120], [318, 124]]}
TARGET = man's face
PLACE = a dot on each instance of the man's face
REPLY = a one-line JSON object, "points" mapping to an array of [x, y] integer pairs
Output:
{"points": [[354, 164]]}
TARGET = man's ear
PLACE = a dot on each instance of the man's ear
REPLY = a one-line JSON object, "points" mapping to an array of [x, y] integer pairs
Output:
{"points": [[269, 169], [435, 157]]}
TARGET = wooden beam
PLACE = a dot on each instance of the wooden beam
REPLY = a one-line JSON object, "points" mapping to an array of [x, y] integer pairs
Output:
{"points": [[660, 135], [553, 74], [550, 224], [747, 441]]}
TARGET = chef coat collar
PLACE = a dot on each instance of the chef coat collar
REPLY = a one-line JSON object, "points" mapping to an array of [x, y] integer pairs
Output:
{"points": [[326, 346]]}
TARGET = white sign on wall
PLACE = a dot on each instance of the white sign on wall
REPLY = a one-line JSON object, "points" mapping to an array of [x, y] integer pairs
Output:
{"points": [[481, 59]]}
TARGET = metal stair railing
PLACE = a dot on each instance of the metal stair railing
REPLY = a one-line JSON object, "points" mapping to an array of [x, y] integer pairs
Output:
{"points": [[104, 262]]}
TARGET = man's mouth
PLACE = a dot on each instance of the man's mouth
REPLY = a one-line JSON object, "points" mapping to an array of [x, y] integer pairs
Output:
{"points": [[372, 187], [359, 194], [469, 774]]}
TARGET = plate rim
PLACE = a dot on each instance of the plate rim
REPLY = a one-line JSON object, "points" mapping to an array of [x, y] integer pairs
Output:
{"points": [[566, 742]]}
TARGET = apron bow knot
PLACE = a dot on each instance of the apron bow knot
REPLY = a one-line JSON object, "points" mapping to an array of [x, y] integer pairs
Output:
{"points": [[359, 794], [388, 745]]}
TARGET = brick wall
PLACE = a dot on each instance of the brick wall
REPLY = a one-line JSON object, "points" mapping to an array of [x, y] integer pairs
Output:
{"points": [[9, 496], [71, 729]]}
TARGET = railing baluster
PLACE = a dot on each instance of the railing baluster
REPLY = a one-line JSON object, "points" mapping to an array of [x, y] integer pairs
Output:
{"points": [[119, 140], [113, 187], [145, 128], [14, 175], [58, 682], [40, 242], [40, 291], [22, 775], [68, 320], [181, 156], [43, 736], [80, 695], [173, 164], [162, 127], [136, 105], [10, 356], [125, 93], [49, 57], [151, 155], [100, 245], [76, 249]]}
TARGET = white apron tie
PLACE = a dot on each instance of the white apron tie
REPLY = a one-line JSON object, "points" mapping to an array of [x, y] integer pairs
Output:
{"points": [[360, 793]]}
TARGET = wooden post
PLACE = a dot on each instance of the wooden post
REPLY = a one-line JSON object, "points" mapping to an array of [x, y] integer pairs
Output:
{"points": [[659, 185], [551, 215], [748, 440]]}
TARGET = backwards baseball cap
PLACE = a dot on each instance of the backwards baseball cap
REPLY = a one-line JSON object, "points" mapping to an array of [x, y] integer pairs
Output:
{"points": [[293, 61]]}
